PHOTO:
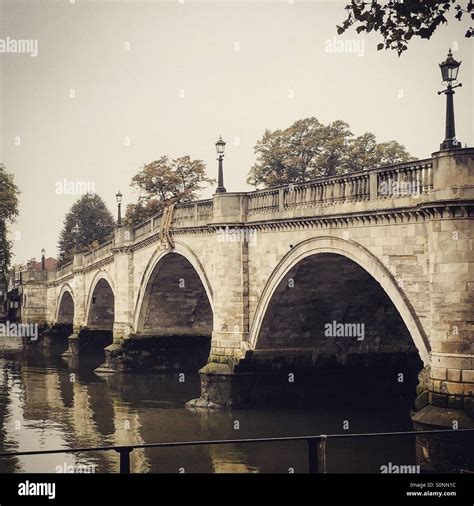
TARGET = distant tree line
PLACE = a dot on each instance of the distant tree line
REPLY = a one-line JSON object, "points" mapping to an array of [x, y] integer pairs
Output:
{"points": [[9, 195]]}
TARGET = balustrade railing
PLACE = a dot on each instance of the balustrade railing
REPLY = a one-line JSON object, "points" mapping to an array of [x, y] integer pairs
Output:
{"points": [[184, 212], [98, 253], [325, 192], [263, 201], [405, 181], [402, 180], [410, 179], [145, 227], [204, 209], [64, 270]]}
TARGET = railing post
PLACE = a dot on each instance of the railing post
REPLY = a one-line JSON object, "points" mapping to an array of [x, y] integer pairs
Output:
{"points": [[322, 452], [281, 199], [373, 186], [312, 456], [124, 459]]}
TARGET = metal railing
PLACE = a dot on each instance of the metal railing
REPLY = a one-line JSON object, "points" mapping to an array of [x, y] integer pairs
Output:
{"points": [[316, 452]]}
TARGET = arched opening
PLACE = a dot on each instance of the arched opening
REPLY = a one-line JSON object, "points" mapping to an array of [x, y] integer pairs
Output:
{"points": [[66, 309], [101, 307], [64, 319], [334, 345], [98, 332], [176, 313], [330, 318]]}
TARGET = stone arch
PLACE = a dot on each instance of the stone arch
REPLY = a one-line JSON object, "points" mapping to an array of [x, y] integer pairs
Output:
{"points": [[367, 261], [65, 305], [152, 270], [101, 315]]}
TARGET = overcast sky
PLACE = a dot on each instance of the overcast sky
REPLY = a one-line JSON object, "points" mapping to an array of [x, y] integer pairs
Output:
{"points": [[117, 84]]}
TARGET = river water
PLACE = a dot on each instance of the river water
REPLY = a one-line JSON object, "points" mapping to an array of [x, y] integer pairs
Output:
{"points": [[47, 402]]}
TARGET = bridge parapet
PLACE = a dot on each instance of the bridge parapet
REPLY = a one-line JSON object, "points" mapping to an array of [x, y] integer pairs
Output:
{"points": [[193, 213], [446, 176], [64, 271], [103, 251], [187, 214], [413, 179]]}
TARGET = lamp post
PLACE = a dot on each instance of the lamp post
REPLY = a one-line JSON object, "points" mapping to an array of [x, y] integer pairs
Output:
{"points": [[449, 71], [119, 208], [76, 230], [220, 147], [43, 259]]}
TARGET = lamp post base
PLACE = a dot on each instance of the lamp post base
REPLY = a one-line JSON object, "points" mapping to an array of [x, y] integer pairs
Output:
{"points": [[450, 144]]}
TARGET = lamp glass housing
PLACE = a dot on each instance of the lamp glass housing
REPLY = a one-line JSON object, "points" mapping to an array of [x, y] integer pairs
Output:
{"points": [[449, 68], [220, 146]]}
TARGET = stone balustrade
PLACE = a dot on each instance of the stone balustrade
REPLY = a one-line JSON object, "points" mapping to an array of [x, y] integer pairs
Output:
{"points": [[363, 190]]}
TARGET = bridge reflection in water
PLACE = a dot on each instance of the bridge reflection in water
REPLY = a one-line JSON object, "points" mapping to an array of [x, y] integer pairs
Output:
{"points": [[49, 402]]}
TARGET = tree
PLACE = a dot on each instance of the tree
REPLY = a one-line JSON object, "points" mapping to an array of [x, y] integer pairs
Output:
{"points": [[308, 150], [362, 152], [333, 157], [8, 212], [295, 154], [399, 21], [165, 181], [388, 153], [86, 224]]}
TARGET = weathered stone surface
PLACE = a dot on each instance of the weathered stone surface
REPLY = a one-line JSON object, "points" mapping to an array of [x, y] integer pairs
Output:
{"points": [[422, 400], [157, 354], [444, 453]]}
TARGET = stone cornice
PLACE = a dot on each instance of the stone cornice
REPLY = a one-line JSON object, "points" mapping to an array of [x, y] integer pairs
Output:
{"points": [[99, 264], [413, 214], [127, 250], [420, 213], [61, 281]]}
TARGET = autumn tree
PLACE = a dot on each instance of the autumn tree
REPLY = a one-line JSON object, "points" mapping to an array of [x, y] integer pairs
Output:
{"points": [[8, 212], [305, 150], [399, 21], [308, 150], [165, 181], [87, 223]]}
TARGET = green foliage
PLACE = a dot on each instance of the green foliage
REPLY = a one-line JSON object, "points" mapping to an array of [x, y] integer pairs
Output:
{"points": [[86, 224], [8, 212], [398, 22], [308, 149], [165, 181]]}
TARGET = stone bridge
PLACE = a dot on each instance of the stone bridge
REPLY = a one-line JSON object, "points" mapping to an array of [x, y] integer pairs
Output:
{"points": [[370, 269]]}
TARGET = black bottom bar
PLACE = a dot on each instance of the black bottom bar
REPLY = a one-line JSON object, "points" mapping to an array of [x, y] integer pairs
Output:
{"points": [[244, 489]]}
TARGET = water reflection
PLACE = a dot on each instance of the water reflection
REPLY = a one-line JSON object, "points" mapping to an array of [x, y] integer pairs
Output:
{"points": [[47, 402]]}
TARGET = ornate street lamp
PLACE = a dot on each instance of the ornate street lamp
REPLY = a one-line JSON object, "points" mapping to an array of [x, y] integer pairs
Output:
{"points": [[43, 259], [449, 71], [119, 208], [76, 230], [220, 147]]}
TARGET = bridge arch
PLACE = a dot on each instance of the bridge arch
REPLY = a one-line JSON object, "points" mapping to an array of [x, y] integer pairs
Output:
{"points": [[100, 304], [65, 305], [363, 258], [179, 264]]}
